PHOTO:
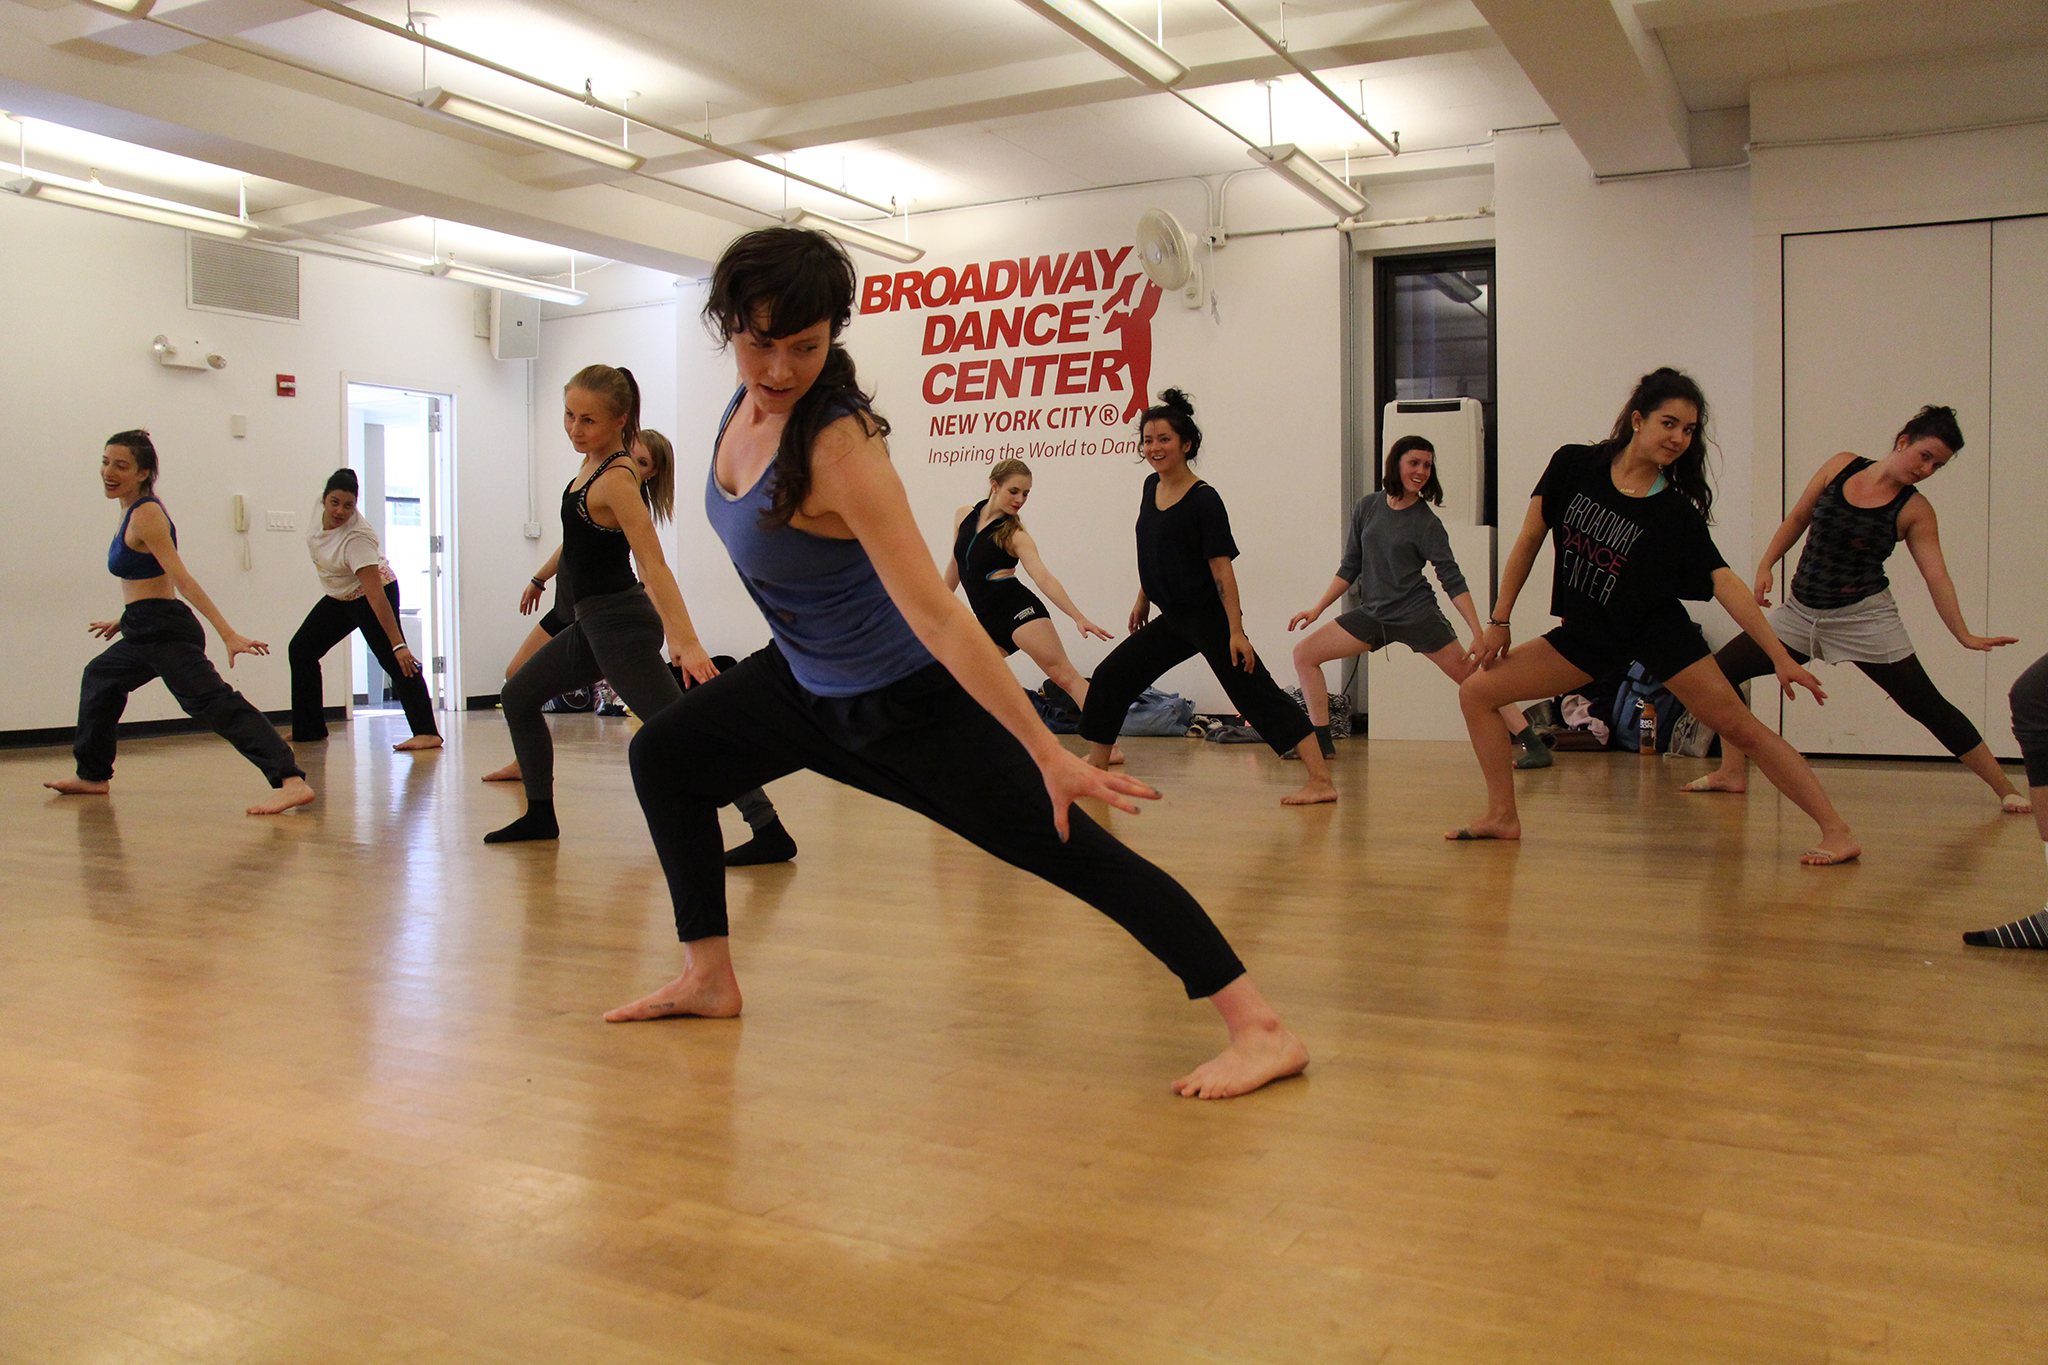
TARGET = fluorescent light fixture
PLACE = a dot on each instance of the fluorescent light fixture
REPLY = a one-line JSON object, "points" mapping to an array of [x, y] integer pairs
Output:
{"points": [[855, 236], [1309, 176], [83, 194], [127, 9], [528, 129], [500, 279], [1113, 38]]}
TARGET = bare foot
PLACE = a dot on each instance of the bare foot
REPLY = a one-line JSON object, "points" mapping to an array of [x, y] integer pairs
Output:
{"points": [[1311, 793], [2013, 804], [1718, 781], [1487, 828], [418, 742], [78, 786], [1832, 850], [1116, 755], [1254, 1058], [294, 792], [707, 995], [508, 773]]}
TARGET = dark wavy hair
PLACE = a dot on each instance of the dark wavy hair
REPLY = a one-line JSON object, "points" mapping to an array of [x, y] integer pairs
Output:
{"points": [[1177, 410], [773, 283], [1390, 477], [138, 444], [1688, 473], [1940, 423]]}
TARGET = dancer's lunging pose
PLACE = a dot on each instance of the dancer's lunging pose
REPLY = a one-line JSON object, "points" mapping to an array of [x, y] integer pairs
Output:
{"points": [[1630, 517], [878, 676], [618, 626], [160, 638], [1393, 533], [361, 593], [2029, 698], [1840, 609], [1184, 554]]}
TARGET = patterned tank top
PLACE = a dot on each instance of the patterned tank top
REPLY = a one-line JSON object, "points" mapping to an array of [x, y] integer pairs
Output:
{"points": [[1847, 545]]}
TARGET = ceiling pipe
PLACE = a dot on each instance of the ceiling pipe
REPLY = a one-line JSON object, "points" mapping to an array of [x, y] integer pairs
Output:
{"points": [[1393, 144], [585, 97]]}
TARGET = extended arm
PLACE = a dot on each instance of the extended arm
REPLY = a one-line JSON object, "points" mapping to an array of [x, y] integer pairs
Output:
{"points": [[372, 579], [1495, 639], [1226, 584], [154, 529], [1923, 539], [853, 479], [1739, 602], [1794, 525], [1339, 585], [618, 492], [1026, 550]]}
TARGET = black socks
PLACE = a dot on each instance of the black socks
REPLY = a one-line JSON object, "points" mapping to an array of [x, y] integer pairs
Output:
{"points": [[1535, 752], [1324, 742], [771, 844], [2031, 932], [537, 823]]}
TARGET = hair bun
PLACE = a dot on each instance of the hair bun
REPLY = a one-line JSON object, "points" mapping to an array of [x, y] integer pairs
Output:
{"points": [[1178, 401]]}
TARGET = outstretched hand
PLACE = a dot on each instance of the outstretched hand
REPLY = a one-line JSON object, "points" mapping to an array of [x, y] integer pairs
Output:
{"points": [[1088, 628], [106, 630], [529, 598], [1791, 675], [242, 644], [1302, 620], [1988, 642], [1069, 779]]}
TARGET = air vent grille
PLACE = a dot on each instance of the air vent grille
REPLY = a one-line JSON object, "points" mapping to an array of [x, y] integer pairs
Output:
{"points": [[230, 277]]}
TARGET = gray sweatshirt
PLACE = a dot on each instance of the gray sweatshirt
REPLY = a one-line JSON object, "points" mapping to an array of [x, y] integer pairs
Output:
{"points": [[1384, 554]]}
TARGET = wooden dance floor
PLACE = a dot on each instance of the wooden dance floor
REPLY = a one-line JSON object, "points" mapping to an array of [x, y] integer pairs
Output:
{"points": [[333, 1087]]}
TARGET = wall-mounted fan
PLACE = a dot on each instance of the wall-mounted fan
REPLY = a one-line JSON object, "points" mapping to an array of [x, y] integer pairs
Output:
{"points": [[1167, 256]]}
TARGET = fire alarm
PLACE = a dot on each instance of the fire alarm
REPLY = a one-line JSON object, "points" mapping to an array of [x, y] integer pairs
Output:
{"points": [[287, 386]]}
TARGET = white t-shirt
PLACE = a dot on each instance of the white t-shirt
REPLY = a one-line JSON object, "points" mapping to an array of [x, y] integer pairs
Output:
{"points": [[340, 553]]}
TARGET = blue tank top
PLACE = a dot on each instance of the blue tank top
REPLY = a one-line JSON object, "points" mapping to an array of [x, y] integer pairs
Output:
{"points": [[123, 562], [822, 598]]}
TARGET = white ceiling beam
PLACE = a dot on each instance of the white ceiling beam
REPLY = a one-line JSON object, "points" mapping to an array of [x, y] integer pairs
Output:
{"points": [[351, 145], [109, 37], [1672, 13], [331, 213], [1371, 33], [1603, 75]]}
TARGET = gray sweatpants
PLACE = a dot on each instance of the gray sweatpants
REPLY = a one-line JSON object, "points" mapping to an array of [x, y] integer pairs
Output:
{"points": [[616, 637]]}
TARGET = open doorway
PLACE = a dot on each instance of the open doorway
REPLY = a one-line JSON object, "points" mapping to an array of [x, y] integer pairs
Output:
{"points": [[401, 445]]}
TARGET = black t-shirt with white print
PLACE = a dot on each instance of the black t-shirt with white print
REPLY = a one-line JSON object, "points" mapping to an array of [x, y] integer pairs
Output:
{"points": [[1620, 559]]}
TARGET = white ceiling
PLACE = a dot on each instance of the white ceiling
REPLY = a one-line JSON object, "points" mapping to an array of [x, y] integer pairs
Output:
{"points": [[936, 103]]}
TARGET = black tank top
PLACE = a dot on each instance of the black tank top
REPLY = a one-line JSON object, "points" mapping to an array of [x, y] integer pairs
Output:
{"points": [[1847, 545], [595, 559], [976, 552]]}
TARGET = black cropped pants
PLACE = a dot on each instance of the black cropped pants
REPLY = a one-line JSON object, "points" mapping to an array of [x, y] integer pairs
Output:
{"points": [[327, 625], [923, 743], [1167, 640], [161, 638], [1905, 682]]}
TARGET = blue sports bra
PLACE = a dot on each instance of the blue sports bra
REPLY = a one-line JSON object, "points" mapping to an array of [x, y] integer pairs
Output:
{"points": [[123, 562], [822, 597]]}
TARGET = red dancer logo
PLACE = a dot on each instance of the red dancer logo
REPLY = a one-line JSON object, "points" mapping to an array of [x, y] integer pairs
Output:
{"points": [[1136, 325]]}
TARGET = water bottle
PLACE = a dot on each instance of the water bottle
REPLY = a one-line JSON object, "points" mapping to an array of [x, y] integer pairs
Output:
{"points": [[1646, 727]]}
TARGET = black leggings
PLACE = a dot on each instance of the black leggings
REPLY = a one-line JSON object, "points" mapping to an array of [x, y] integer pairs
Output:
{"points": [[2029, 698], [1905, 682], [160, 638], [326, 626], [1167, 640], [922, 743]]}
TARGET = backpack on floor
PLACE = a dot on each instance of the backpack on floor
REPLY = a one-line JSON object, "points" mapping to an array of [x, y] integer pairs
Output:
{"points": [[1159, 713], [1637, 686], [1056, 709]]}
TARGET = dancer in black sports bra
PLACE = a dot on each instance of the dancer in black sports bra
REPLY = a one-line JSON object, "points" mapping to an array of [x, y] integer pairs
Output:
{"points": [[161, 639], [618, 625], [989, 542]]}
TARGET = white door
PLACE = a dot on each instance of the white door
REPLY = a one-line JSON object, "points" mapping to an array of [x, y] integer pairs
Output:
{"points": [[2019, 464], [1876, 324]]}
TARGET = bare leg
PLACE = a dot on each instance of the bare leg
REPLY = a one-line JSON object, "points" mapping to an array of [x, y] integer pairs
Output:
{"points": [[1040, 641], [1452, 662], [1325, 643], [78, 786], [1980, 762], [1319, 790], [1101, 755], [1531, 670], [707, 988], [528, 647], [1706, 692], [1261, 1049], [294, 792]]}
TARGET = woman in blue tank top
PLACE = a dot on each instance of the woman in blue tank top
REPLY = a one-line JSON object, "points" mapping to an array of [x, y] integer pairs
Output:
{"points": [[160, 638], [878, 676]]}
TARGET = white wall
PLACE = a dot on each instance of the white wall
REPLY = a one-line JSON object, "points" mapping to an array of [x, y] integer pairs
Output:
{"points": [[1263, 370], [1601, 283], [83, 295]]}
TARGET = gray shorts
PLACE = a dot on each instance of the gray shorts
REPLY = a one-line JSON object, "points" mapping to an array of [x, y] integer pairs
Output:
{"points": [[1426, 635], [1866, 632]]}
